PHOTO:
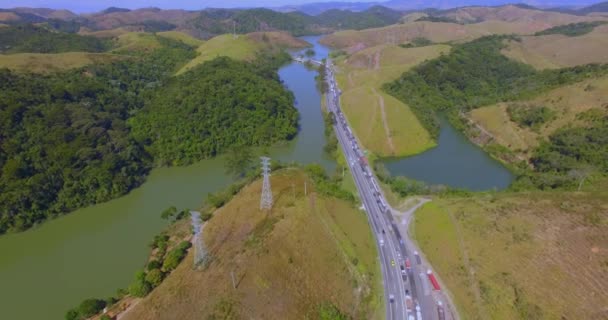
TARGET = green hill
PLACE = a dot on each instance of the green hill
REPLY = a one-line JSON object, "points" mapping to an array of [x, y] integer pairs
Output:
{"points": [[33, 39]]}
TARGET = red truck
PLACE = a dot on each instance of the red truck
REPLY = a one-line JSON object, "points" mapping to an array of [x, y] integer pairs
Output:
{"points": [[408, 264], [433, 280]]}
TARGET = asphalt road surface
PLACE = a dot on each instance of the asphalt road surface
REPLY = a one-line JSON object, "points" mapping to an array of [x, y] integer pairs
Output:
{"points": [[407, 290]]}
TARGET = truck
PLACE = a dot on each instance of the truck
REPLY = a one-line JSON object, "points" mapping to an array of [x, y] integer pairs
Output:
{"points": [[433, 280], [409, 304], [408, 264], [418, 312]]}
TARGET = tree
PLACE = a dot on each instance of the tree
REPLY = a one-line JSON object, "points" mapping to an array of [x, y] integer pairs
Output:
{"points": [[168, 213], [154, 277], [238, 160], [140, 287], [309, 53], [90, 307]]}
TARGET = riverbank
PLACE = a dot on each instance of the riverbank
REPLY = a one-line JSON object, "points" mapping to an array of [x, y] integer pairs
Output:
{"points": [[103, 245]]}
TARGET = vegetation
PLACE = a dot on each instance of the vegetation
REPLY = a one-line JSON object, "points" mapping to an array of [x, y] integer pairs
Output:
{"points": [[86, 309], [417, 42], [225, 103], [30, 38], [438, 19], [476, 74], [376, 16], [325, 186], [572, 29], [530, 116], [67, 141]]}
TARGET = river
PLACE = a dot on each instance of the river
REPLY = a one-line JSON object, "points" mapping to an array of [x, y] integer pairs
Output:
{"points": [[94, 251], [455, 162]]}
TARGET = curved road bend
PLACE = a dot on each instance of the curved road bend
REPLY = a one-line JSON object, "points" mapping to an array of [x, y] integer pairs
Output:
{"points": [[393, 248]]}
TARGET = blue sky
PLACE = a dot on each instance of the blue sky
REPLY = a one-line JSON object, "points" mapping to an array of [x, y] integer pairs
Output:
{"points": [[96, 5]]}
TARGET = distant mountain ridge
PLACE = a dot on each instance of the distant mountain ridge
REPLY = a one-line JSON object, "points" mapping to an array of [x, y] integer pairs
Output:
{"points": [[210, 22]]}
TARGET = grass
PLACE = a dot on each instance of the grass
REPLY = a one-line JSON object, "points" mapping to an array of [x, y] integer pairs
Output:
{"points": [[308, 251], [567, 102], [397, 132], [520, 256], [136, 41], [180, 36], [239, 48], [52, 62], [559, 51]]}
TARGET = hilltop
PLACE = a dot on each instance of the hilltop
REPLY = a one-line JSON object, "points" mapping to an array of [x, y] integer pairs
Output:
{"points": [[310, 255]]}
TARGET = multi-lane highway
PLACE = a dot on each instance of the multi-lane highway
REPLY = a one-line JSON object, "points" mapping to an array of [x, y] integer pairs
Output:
{"points": [[407, 289]]}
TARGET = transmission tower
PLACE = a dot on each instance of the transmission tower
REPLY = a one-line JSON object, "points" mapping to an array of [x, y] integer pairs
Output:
{"points": [[199, 248], [266, 200]]}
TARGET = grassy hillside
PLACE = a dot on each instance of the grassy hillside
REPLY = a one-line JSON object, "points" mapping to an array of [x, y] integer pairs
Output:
{"points": [[559, 51], [242, 47], [384, 125], [53, 62], [568, 102], [180, 36], [310, 254], [238, 48], [520, 256]]}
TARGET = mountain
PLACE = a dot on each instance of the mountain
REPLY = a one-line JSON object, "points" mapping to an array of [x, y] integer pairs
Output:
{"points": [[317, 8], [598, 7]]}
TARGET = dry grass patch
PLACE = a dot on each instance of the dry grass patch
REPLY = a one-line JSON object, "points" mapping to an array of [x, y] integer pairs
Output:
{"points": [[307, 251], [559, 51], [567, 102], [383, 124], [52, 62], [521, 256]]}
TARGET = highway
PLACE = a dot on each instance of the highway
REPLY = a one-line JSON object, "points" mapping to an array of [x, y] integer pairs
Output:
{"points": [[404, 275]]}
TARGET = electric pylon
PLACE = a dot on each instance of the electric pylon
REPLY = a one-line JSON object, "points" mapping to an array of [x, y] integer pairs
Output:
{"points": [[266, 199]]}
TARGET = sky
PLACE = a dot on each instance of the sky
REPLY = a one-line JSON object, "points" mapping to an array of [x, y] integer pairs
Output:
{"points": [[96, 5]]}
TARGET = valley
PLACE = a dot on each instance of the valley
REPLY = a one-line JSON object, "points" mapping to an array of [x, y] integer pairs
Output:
{"points": [[478, 137]]}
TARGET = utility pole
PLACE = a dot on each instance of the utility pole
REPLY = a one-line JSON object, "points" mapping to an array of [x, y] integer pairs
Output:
{"points": [[305, 191], [233, 282], [266, 199]]}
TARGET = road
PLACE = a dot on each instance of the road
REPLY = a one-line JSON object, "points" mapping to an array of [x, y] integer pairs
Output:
{"points": [[401, 283]]}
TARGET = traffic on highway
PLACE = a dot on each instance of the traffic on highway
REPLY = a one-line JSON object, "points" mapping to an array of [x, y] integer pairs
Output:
{"points": [[408, 288]]}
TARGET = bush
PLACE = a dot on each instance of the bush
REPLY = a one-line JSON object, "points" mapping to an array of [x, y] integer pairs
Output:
{"points": [[154, 277], [530, 116], [86, 309], [140, 287], [154, 264], [176, 255]]}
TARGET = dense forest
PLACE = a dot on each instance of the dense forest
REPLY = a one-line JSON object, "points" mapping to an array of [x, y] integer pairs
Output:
{"points": [[476, 74], [66, 139], [220, 104], [30, 38], [376, 16]]}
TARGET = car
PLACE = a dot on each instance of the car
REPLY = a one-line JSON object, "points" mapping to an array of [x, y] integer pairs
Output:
{"points": [[383, 231], [391, 298], [402, 269], [392, 262]]}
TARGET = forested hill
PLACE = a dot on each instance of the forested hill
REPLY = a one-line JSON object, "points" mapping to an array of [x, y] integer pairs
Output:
{"points": [[224, 103], [211, 22], [30, 38], [65, 139]]}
